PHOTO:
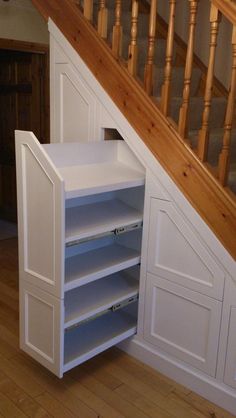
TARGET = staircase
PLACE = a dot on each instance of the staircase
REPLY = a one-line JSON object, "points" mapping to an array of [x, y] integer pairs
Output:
{"points": [[187, 116]]}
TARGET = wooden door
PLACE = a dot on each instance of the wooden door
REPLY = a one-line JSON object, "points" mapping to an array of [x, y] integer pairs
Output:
{"points": [[23, 77]]}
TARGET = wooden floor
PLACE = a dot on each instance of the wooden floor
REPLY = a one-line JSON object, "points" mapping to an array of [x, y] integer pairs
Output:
{"points": [[113, 385]]}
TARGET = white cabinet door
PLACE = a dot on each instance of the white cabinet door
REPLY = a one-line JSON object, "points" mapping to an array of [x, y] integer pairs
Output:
{"points": [[41, 323], [176, 252], [230, 365], [182, 323], [75, 107]]}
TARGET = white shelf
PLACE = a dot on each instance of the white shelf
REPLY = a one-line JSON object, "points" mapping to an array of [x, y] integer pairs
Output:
{"points": [[94, 298], [95, 264], [82, 180], [93, 337], [96, 218]]}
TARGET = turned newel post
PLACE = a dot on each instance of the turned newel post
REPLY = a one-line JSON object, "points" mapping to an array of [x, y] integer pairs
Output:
{"points": [[203, 137], [148, 74], [102, 19], [88, 9], [133, 47], [165, 91], [183, 115], [225, 153], [117, 30]]}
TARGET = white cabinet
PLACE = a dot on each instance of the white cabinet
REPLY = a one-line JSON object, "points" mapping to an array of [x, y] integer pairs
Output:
{"points": [[176, 252], [183, 289], [230, 364], [80, 210], [182, 323]]}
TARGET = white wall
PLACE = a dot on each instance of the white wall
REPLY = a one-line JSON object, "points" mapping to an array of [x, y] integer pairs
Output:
{"points": [[223, 59], [20, 20]]}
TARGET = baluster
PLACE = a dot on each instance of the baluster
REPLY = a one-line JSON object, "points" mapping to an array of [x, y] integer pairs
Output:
{"points": [[183, 115], [165, 91], [117, 30], [148, 74], [102, 19], [133, 47], [225, 153], [203, 137], [88, 9]]}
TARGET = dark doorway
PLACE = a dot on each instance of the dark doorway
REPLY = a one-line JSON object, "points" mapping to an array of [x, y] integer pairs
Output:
{"points": [[23, 105]]}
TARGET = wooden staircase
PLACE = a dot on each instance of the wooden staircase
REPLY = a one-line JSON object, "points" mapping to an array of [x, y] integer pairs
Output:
{"points": [[177, 108]]}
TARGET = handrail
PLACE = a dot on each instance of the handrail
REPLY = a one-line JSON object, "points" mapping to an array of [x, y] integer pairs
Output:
{"points": [[227, 8]]}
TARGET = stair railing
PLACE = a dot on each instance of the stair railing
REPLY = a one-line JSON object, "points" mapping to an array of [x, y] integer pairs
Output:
{"points": [[166, 87], [208, 87]]}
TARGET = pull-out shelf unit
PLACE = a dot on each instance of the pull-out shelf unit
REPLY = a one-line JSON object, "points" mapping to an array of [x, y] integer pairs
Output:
{"points": [[80, 211]]}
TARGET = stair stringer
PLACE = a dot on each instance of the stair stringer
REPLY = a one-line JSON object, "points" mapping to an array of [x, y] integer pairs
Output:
{"points": [[107, 115]]}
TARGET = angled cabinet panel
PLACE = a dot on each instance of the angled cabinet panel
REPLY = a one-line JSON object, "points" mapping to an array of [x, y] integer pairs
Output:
{"points": [[41, 317], [75, 107], [40, 217], [176, 252], [230, 365], [182, 323]]}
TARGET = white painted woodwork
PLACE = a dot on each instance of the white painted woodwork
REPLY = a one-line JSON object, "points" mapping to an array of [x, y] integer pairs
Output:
{"points": [[41, 318], [96, 297], [183, 323], [49, 222], [176, 252], [230, 364], [96, 218], [40, 215], [95, 264], [93, 337], [74, 106]]}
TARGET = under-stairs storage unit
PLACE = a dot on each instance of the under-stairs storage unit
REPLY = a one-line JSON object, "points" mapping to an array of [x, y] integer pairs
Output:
{"points": [[80, 214]]}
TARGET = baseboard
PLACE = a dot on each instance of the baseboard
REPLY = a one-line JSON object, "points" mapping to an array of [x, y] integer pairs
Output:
{"points": [[207, 387]]}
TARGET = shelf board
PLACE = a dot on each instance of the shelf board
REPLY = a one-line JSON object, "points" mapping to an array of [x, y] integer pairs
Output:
{"points": [[82, 180], [95, 264], [93, 337], [100, 217], [97, 297]]}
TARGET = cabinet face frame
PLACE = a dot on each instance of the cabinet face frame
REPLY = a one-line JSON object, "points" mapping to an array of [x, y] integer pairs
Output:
{"points": [[230, 364], [41, 216], [41, 319], [164, 216], [198, 304]]}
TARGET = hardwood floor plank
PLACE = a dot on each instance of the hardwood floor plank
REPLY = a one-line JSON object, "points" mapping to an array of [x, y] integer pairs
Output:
{"points": [[98, 404], [21, 400], [109, 396], [8, 409], [55, 387], [54, 407], [18, 375], [145, 405]]}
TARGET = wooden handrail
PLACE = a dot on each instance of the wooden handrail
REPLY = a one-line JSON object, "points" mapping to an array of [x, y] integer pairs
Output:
{"points": [[214, 204], [227, 8]]}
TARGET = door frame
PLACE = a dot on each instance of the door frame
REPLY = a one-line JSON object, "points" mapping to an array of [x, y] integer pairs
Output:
{"points": [[37, 48]]}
